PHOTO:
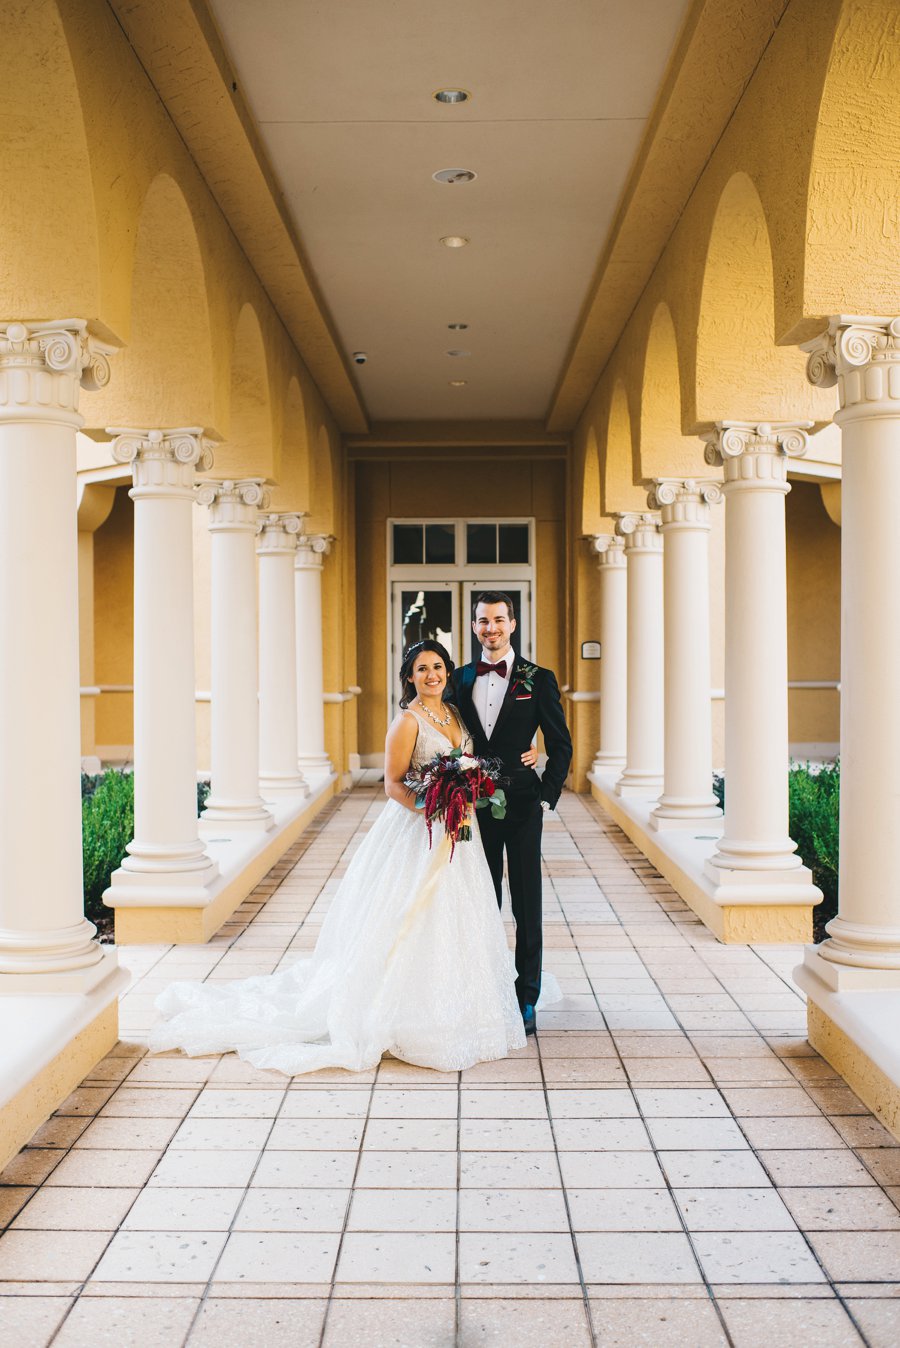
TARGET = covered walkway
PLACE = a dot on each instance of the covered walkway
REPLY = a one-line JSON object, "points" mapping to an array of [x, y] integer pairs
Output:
{"points": [[668, 1163]]}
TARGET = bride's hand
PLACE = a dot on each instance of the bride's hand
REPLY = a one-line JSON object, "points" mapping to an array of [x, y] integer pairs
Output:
{"points": [[530, 757]]}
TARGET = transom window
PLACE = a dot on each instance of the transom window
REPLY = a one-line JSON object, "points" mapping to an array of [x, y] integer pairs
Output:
{"points": [[424, 545], [484, 543], [488, 544]]}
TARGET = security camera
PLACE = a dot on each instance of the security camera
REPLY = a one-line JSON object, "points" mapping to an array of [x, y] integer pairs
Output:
{"points": [[360, 357]]}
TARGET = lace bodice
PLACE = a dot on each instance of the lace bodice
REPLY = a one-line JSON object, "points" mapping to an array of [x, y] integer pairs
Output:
{"points": [[430, 741]]}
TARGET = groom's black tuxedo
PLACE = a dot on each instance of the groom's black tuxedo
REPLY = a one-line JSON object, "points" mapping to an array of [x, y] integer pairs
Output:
{"points": [[525, 710]]}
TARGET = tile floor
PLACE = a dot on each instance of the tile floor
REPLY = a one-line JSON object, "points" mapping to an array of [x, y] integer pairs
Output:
{"points": [[668, 1163]]}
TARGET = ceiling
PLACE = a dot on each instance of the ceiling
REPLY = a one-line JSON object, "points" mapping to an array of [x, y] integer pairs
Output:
{"points": [[341, 94]]}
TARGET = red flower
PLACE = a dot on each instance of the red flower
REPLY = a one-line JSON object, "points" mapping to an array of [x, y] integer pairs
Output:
{"points": [[487, 786]]}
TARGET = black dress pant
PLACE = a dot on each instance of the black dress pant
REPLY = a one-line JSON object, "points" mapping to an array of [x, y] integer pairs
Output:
{"points": [[520, 834]]}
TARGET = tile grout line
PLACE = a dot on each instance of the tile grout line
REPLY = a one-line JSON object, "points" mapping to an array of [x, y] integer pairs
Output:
{"points": [[637, 1104], [565, 1197], [350, 1197], [756, 1152], [82, 1283], [759, 1153], [457, 1289], [204, 1296]]}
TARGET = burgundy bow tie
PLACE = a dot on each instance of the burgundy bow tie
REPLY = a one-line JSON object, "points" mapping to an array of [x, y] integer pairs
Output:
{"points": [[484, 667]]}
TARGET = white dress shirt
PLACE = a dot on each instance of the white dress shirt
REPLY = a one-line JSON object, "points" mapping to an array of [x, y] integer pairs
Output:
{"points": [[489, 691]]}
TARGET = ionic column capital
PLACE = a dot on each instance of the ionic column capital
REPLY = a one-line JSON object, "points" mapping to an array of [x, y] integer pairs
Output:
{"points": [[861, 355], [233, 506], [44, 365], [640, 531], [278, 531], [312, 549], [683, 502], [754, 453], [163, 461], [609, 548]]}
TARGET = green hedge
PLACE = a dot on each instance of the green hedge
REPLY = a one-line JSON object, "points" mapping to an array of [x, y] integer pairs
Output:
{"points": [[107, 827], [814, 805]]}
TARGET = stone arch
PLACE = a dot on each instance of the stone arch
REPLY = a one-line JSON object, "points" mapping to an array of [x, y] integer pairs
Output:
{"points": [[617, 474], [247, 449], [592, 521], [47, 212], [662, 449], [164, 375], [292, 469], [853, 201], [741, 375]]}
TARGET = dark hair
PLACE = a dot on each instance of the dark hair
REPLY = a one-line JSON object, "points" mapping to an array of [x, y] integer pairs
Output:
{"points": [[494, 597], [409, 659]]}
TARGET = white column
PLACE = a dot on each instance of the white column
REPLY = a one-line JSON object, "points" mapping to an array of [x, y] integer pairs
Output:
{"points": [[166, 851], [862, 356], [687, 795], [643, 774], [234, 800], [610, 551], [311, 552], [276, 549], [756, 844], [46, 945]]}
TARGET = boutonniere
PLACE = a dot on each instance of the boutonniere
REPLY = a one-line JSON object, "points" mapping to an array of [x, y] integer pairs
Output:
{"points": [[524, 676]]}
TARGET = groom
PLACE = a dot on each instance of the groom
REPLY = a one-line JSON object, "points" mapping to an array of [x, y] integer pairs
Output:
{"points": [[504, 701]]}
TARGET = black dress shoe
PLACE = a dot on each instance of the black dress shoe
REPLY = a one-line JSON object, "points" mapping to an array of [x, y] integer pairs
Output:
{"points": [[529, 1020]]}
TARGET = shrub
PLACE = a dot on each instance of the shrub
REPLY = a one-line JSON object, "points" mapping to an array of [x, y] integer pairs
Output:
{"points": [[814, 811], [107, 827], [814, 796], [107, 824]]}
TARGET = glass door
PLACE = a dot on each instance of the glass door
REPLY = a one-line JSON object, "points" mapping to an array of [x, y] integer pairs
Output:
{"points": [[429, 610]]}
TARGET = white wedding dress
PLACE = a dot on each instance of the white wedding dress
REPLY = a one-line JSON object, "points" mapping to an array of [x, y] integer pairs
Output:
{"points": [[412, 960]]}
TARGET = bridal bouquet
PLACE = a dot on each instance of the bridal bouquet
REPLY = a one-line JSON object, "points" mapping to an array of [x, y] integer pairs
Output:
{"points": [[450, 786]]}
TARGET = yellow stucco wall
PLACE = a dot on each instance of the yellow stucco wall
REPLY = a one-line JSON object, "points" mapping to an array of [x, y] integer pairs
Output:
{"points": [[814, 616], [114, 624]]}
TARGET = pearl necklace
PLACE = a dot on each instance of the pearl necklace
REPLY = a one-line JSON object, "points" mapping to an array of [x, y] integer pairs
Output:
{"points": [[430, 714]]}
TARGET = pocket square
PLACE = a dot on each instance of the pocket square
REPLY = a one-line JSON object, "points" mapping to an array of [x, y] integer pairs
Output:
{"points": [[523, 697]]}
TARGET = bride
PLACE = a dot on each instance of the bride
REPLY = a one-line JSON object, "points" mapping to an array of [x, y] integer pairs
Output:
{"points": [[412, 957]]}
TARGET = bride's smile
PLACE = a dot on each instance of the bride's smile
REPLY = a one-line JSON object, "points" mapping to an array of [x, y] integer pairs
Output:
{"points": [[429, 678]]}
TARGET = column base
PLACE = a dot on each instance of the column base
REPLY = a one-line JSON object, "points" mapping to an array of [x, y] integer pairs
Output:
{"points": [[282, 782], [151, 912], [162, 860], [680, 812], [314, 763], [636, 783], [129, 887], [225, 814], [750, 911], [61, 982], [71, 949], [757, 885], [852, 1016], [862, 947], [748, 860], [606, 762]]}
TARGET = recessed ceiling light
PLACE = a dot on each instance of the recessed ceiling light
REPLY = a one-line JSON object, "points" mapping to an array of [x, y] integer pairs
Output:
{"points": [[459, 353], [457, 327], [454, 241], [451, 96], [458, 383], [454, 176]]}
